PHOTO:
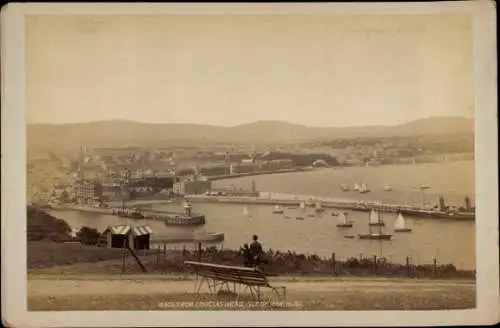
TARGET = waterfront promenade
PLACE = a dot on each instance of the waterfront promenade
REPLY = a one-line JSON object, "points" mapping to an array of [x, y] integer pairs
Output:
{"points": [[248, 174]]}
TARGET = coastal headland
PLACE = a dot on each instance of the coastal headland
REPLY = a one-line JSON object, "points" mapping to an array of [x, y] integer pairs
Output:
{"points": [[91, 278]]}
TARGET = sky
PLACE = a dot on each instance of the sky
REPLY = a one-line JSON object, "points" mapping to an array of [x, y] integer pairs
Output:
{"points": [[316, 70]]}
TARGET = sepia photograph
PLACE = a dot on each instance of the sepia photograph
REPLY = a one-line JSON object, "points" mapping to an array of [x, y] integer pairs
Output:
{"points": [[215, 159]]}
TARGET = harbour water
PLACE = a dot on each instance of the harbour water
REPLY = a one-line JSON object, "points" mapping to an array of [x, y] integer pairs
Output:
{"points": [[454, 181], [447, 241]]}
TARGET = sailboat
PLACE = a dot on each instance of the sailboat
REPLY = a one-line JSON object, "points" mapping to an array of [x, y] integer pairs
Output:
{"points": [[302, 208], [356, 187], [379, 235], [344, 187], [245, 211], [278, 209], [399, 226], [319, 208], [387, 187], [310, 203], [375, 219], [364, 189], [344, 221]]}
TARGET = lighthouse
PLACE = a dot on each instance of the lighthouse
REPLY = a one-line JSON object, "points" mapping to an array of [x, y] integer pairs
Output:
{"points": [[187, 208]]}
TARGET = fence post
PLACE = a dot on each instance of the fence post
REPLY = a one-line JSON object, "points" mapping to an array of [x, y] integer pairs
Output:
{"points": [[435, 267], [199, 252], [334, 264], [408, 266], [375, 264], [123, 260]]}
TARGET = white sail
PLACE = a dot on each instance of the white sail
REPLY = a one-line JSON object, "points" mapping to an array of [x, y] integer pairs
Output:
{"points": [[400, 222], [342, 219], [356, 186], [374, 217], [245, 210], [363, 188]]}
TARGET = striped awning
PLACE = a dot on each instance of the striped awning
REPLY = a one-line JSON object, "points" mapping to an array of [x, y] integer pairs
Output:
{"points": [[119, 229], [142, 230]]}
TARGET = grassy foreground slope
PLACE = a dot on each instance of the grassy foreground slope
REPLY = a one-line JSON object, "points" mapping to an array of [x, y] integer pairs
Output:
{"points": [[151, 292]]}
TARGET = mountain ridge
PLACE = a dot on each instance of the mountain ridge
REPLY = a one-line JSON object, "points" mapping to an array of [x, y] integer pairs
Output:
{"points": [[114, 133]]}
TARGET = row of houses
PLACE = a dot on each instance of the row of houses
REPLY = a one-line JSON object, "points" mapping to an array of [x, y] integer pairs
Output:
{"points": [[93, 191]]}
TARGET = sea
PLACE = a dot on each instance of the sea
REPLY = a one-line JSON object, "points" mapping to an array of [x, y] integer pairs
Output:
{"points": [[446, 241]]}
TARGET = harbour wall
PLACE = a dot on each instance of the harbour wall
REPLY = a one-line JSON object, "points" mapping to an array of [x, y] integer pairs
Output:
{"points": [[266, 198]]}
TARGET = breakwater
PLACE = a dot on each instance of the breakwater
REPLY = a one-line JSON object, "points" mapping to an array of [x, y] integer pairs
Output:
{"points": [[169, 218], [211, 237], [296, 200]]}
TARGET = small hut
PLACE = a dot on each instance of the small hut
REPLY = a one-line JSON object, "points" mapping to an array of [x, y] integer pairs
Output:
{"points": [[120, 235], [141, 237]]}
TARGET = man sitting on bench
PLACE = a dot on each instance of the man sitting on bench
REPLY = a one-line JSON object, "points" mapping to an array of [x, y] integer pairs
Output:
{"points": [[256, 252]]}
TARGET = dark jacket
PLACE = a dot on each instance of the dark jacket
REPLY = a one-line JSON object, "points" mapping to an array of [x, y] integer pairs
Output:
{"points": [[256, 251]]}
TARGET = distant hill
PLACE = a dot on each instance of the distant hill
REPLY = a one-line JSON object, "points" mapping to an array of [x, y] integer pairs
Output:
{"points": [[129, 133]]}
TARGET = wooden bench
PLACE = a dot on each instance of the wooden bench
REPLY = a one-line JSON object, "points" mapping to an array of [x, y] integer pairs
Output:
{"points": [[218, 278]]}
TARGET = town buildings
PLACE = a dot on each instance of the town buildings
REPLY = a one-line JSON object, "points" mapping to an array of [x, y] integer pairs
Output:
{"points": [[192, 187], [239, 168], [276, 164], [88, 192]]}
